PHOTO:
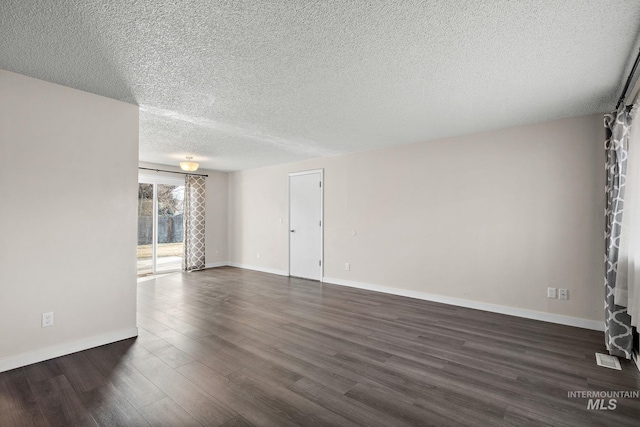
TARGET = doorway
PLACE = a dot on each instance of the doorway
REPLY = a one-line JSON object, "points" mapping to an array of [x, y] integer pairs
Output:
{"points": [[305, 224], [160, 224]]}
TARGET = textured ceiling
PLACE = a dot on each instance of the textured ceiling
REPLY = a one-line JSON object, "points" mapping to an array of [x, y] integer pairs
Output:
{"points": [[242, 84]]}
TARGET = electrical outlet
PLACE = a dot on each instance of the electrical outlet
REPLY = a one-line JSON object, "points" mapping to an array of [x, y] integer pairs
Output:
{"points": [[563, 294], [258, 254], [551, 292], [347, 266], [47, 319]]}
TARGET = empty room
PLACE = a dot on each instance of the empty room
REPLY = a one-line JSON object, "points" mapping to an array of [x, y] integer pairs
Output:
{"points": [[319, 213]]}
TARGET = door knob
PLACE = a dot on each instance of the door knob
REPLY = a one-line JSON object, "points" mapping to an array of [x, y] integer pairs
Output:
{"points": [[293, 231]]}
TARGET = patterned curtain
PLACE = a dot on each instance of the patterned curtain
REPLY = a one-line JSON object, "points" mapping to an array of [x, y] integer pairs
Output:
{"points": [[194, 198], [617, 323]]}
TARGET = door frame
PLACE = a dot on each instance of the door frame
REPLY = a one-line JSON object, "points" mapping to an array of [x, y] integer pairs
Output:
{"points": [[307, 172], [154, 180]]}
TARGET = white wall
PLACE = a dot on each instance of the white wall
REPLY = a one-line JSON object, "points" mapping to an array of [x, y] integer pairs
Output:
{"points": [[491, 218], [67, 208], [215, 208]]}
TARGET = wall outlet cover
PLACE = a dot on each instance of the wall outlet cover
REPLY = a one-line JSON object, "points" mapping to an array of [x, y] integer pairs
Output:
{"points": [[563, 294], [47, 319]]}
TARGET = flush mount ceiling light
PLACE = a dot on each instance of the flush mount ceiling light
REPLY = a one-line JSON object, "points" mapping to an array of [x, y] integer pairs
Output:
{"points": [[189, 166]]}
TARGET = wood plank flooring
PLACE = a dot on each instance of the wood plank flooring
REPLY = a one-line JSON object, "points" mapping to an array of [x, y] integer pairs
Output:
{"points": [[232, 347]]}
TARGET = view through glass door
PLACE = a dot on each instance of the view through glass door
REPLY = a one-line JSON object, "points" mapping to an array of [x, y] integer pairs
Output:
{"points": [[160, 225], [145, 228]]}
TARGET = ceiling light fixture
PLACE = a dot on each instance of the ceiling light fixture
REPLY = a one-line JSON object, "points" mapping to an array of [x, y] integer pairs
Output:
{"points": [[189, 166]]}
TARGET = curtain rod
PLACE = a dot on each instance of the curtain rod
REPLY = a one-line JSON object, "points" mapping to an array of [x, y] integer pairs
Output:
{"points": [[626, 86], [182, 173]]}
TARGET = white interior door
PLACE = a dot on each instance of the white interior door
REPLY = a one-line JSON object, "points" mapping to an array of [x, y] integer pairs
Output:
{"points": [[305, 225]]}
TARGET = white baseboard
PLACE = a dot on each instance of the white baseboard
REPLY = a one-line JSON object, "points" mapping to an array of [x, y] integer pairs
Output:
{"points": [[30, 357], [494, 308], [257, 268], [216, 264]]}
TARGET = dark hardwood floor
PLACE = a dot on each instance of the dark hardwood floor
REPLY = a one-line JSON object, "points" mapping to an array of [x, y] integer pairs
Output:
{"points": [[232, 347]]}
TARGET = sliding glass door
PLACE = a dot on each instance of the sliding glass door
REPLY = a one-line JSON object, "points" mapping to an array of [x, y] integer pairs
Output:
{"points": [[145, 228], [170, 232], [160, 224]]}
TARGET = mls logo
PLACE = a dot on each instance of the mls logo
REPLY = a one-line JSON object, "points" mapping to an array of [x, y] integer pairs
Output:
{"points": [[600, 405], [603, 400]]}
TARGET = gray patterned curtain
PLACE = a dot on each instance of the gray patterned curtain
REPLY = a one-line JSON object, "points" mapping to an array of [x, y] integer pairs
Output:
{"points": [[617, 323], [194, 199]]}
